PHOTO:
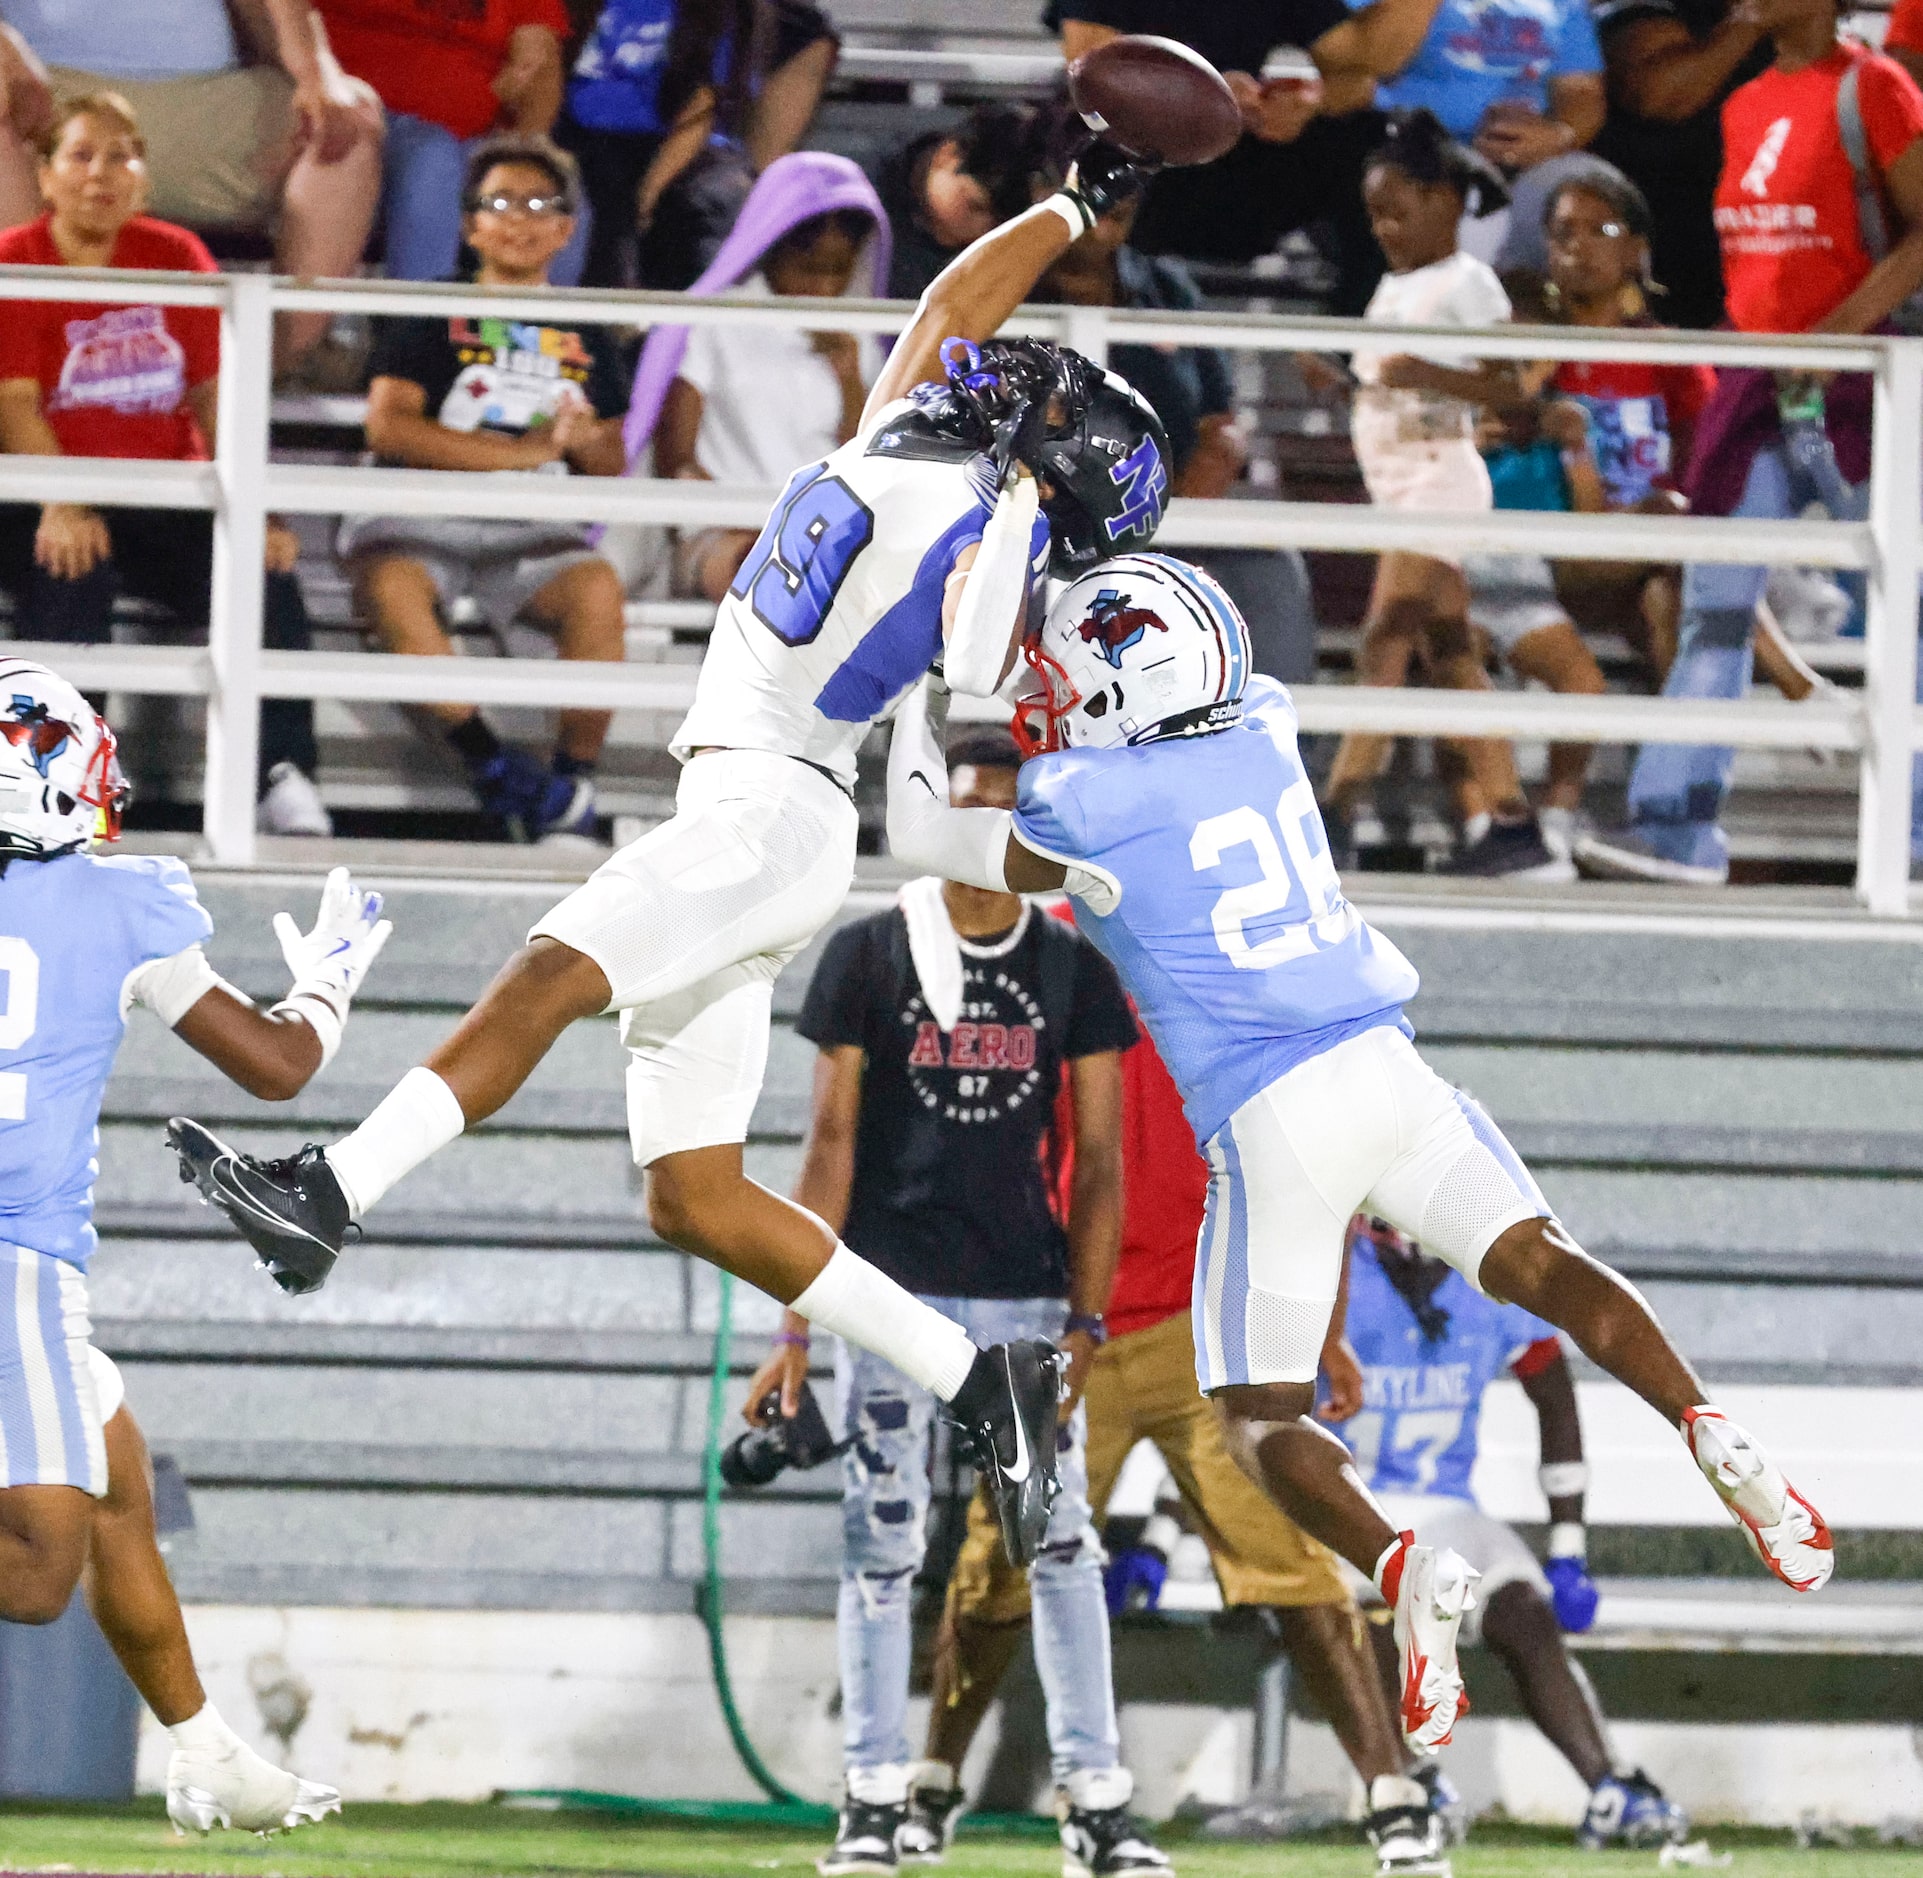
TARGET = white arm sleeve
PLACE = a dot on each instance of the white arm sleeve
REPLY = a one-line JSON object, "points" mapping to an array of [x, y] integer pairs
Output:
{"points": [[171, 987], [992, 596], [966, 845]]}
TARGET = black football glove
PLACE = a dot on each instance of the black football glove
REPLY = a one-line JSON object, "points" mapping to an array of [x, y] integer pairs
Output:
{"points": [[1104, 176]]}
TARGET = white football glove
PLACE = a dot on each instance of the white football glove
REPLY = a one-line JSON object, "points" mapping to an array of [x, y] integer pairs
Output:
{"points": [[329, 963]]}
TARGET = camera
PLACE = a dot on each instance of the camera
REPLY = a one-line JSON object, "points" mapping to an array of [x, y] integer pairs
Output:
{"points": [[801, 1440]]}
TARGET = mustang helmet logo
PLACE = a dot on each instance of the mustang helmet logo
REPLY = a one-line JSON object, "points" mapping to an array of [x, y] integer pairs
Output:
{"points": [[1143, 479], [1113, 625]]}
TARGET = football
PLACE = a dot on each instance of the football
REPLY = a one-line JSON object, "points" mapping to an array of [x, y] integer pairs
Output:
{"points": [[1156, 98]]}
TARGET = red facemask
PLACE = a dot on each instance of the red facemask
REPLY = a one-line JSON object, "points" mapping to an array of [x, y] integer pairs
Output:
{"points": [[1037, 725]]}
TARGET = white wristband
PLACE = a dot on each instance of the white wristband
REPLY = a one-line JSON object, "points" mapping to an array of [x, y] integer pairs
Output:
{"points": [[321, 1018], [1568, 1540], [1073, 210], [1560, 1479]]}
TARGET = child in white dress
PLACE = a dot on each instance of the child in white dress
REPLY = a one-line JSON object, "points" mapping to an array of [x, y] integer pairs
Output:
{"points": [[1414, 433]]}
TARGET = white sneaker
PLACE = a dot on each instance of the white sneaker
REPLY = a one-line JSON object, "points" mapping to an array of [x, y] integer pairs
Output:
{"points": [[291, 804], [1560, 829], [1434, 1593], [232, 1786], [1783, 1529]]}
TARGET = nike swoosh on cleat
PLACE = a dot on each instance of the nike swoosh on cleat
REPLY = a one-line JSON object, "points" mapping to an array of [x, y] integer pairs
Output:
{"points": [[1018, 1470], [233, 1195]]}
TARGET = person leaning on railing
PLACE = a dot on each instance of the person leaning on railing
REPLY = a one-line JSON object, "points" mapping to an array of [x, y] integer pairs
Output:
{"points": [[1820, 215], [113, 379], [482, 392]]}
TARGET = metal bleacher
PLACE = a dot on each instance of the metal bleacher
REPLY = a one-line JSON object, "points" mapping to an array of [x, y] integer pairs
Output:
{"points": [[498, 1400]]}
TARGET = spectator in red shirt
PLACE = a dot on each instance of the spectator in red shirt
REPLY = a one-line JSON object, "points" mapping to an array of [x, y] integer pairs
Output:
{"points": [[1903, 37], [448, 76], [1808, 245], [91, 378], [1141, 1387]]}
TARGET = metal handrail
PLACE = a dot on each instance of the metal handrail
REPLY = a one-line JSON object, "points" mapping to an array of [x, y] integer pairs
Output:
{"points": [[242, 487]]}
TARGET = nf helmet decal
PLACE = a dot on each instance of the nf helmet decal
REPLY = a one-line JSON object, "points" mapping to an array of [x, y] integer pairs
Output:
{"points": [[1143, 479], [1113, 625]]}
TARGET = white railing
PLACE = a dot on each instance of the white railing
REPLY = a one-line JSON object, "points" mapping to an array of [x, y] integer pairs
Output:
{"points": [[242, 487]]}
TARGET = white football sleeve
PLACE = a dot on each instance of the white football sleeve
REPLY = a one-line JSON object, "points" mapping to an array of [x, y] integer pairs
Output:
{"points": [[994, 591], [966, 845], [171, 987]]}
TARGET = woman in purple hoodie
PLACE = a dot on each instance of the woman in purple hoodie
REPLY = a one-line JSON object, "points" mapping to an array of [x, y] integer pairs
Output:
{"points": [[750, 404]]}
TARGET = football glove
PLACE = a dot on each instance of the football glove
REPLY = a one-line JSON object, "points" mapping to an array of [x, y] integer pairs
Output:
{"points": [[329, 963], [1104, 176], [1134, 1580], [1573, 1593]]}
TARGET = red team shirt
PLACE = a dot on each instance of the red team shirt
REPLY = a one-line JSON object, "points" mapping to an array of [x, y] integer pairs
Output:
{"points": [[114, 379], [435, 59], [1786, 200]]}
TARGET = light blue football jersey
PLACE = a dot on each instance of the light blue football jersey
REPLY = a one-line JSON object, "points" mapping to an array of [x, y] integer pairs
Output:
{"points": [[1421, 1414], [1231, 932], [71, 929]]}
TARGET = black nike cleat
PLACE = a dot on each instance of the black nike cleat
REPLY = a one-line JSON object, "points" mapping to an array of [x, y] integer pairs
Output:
{"points": [[1005, 1416], [291, 1211]]}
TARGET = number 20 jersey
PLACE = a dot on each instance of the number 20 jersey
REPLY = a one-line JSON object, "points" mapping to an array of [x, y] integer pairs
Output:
{"points": [[1230, 930], [837, 609]]}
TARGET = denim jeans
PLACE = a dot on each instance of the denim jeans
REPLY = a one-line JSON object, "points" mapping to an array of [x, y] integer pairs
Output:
{"points": [[1676, 791], [421, 197], [884, 1510]]}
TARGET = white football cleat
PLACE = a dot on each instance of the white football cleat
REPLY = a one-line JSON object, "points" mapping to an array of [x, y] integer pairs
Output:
{"points": [[232, 1786], [1783, 1529], [1430, 1600]]}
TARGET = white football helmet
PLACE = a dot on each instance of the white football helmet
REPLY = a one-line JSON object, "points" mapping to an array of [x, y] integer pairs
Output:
{"points": [[1141, 647], [60, 783]]}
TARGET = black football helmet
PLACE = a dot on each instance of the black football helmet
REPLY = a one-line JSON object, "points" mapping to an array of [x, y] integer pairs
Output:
{"points": [[1088, 434]]}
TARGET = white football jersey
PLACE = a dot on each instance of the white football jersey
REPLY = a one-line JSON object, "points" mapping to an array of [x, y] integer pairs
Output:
{"points": [[837, 609]]}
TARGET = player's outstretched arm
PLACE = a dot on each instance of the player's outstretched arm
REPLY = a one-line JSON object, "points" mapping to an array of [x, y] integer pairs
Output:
{"points": [[978, 847], [275, 1053], [990, 278]]}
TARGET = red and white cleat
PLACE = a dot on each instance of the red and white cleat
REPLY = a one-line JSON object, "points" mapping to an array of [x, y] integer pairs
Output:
{"points": [[1429, 1589], [1783, 1529]]}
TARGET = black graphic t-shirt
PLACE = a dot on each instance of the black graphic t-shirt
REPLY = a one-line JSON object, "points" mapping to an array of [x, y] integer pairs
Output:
{"points": [[950, 1197], [500, 375]]}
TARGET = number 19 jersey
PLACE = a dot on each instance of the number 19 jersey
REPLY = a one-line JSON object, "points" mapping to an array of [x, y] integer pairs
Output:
{"points": [[837, 609], [1222, 913]]}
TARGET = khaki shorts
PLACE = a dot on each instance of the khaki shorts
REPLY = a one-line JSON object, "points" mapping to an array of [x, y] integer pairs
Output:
{"points": [[219, 144], [1142, 1388]]}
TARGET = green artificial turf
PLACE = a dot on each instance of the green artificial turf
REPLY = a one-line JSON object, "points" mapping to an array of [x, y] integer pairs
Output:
{"points": [[502, 1842]]}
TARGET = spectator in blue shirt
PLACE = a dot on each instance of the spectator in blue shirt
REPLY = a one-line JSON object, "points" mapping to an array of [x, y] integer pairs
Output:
{"points": [[1521, 80], [671, 124]]}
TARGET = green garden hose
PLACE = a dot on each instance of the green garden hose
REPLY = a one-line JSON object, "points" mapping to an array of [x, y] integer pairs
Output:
{"points": [[709, 1598]]}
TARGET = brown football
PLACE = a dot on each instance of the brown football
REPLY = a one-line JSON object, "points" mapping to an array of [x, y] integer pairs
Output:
{"points": [[1156, 98]]}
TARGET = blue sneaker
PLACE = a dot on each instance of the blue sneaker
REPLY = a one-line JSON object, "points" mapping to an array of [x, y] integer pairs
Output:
{"points": [[1631, 1810], [574, 821], [527, 795]]}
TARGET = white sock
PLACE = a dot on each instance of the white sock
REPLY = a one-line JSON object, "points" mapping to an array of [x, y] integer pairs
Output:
{"points": [[858, 1301], [1387, 1790], [418, 1117], [204, 1729]]}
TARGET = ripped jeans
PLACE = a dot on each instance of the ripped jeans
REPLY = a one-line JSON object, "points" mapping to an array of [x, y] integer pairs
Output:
{"points": [[884, 1511], [1677, 790]]}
